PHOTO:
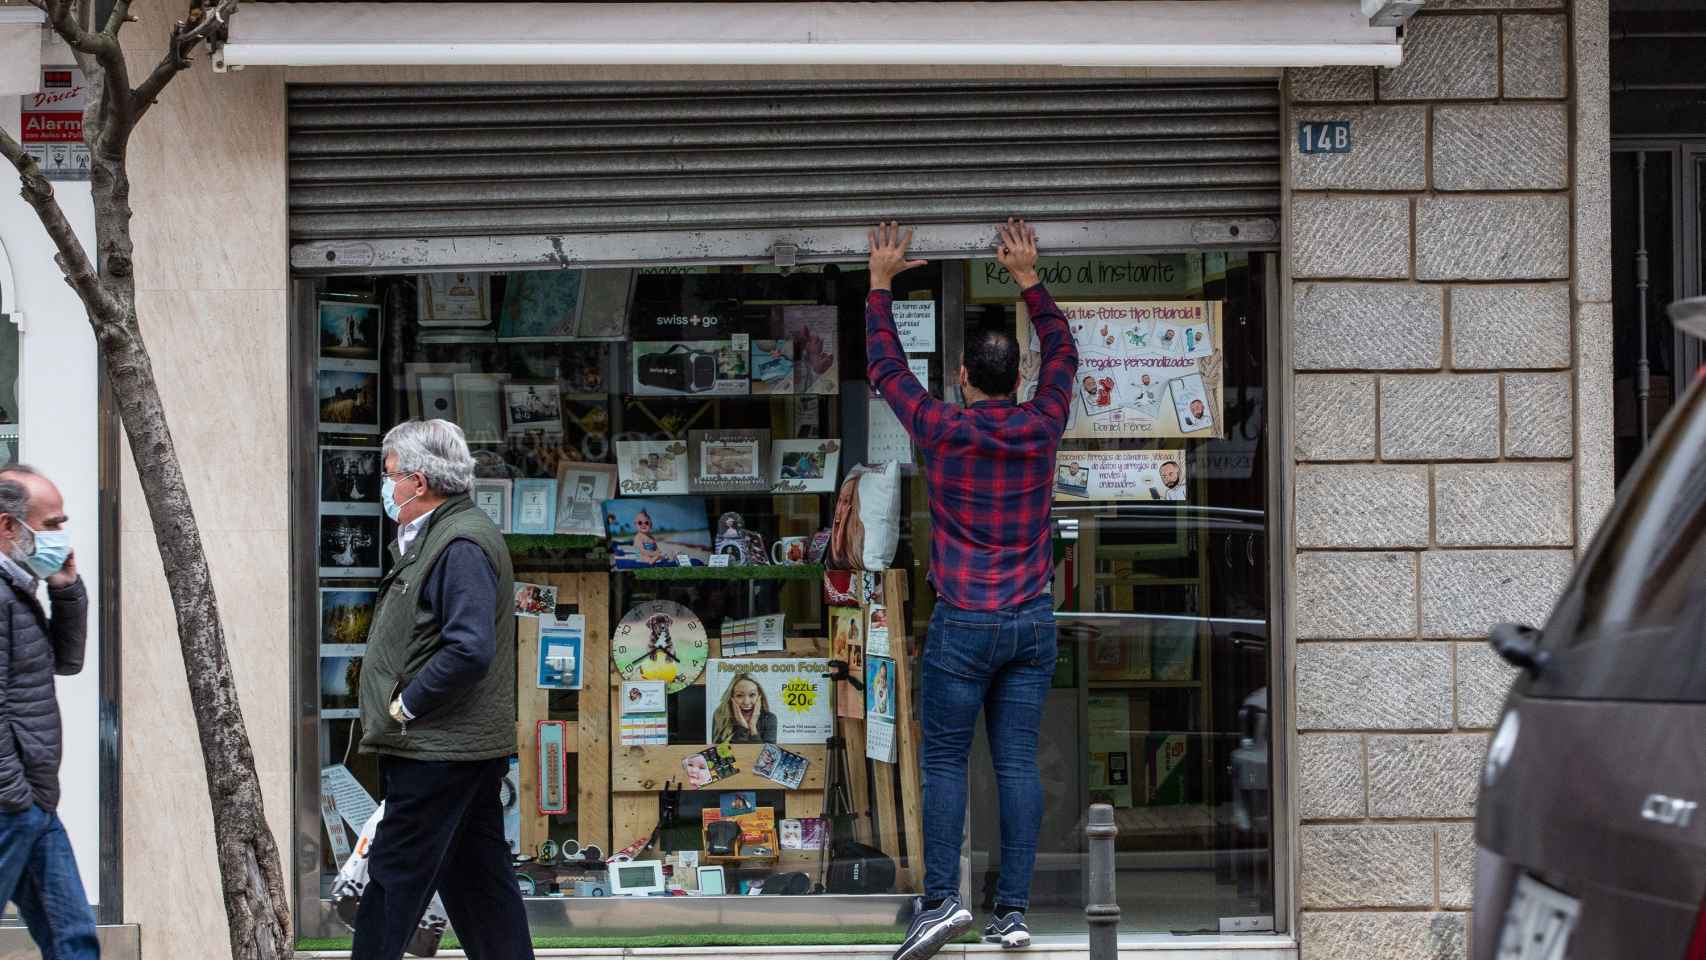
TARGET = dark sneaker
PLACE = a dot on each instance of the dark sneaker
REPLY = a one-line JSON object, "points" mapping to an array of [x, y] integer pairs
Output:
{"points": [[931, 929], [1009, 931]]}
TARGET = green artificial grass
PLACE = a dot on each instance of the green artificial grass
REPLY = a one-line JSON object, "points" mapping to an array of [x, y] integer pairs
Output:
{"points": [[809, 571], [878, 935], [550, 542]]}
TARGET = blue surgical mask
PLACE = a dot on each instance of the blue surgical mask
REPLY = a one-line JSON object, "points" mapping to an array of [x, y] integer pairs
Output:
{"points": [[388, 499], [52, 548]]}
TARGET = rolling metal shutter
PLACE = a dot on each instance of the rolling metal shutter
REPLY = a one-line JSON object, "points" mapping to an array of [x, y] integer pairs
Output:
{"points": [[496, 160]]}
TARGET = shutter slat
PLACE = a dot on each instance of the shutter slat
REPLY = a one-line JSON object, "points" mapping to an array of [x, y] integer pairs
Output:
{"points": [[372, 162]]}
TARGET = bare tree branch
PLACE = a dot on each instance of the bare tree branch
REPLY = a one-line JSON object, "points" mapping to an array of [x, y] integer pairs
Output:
{"points": [[209, 24], [62, 16], [118, 18], [72, 259]]}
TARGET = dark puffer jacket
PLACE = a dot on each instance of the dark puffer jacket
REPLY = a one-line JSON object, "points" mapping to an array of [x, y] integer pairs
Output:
{"points": [[33, 649]]}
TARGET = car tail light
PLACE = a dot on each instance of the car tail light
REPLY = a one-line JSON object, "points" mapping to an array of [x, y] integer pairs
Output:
{"points": [[1697, 942]]}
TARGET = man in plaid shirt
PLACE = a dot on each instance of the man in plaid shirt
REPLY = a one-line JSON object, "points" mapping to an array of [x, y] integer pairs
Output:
{"points": [[991, 644]]}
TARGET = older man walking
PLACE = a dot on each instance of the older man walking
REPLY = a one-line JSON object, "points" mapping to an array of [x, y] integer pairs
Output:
{"points": [[438, 706], [37, 869]]}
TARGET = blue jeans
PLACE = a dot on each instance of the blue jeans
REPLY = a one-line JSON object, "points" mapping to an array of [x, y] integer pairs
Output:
{"points": [[998, 663], [39, 874]]}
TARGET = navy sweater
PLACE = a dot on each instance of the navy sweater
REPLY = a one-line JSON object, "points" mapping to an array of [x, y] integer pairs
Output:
{"points": [[462, 592]]}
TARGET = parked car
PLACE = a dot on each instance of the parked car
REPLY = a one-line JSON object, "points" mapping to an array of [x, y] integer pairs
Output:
{"points": [[1589, 843]]}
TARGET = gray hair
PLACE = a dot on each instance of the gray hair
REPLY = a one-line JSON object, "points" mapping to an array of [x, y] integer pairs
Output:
{"points": [[14, 496], [435, 449]]}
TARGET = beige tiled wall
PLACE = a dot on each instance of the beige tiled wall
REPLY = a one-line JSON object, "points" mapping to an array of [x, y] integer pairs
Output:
{"points": [[207, 166]]}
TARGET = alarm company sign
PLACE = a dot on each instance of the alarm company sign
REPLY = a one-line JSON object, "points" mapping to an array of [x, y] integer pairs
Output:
{"points": [[52, 120]]}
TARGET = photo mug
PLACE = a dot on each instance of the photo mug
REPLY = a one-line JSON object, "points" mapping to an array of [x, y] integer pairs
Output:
{"points": [[790, 551]]}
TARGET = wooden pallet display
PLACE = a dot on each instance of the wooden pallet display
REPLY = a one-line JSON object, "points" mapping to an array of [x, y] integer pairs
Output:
{"points": [[911, 813], [588, 739]]}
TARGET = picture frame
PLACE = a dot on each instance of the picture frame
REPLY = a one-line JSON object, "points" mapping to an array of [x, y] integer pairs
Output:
{"points": [[582, 489], [350, 546], [349, 479], [350, 332], [651, 532], [454, 299], [534, 507], [557, 305], [348, 400], [804, 466], [479, 406], [652, 467], [340, 687], [346, 614], [637, 878], [432, 389], [492, 496], [713, 882], [532, 406], [728, 461]]}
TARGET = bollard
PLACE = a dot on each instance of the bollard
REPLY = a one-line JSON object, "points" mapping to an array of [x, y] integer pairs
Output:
{"points": [[1102, 911]]}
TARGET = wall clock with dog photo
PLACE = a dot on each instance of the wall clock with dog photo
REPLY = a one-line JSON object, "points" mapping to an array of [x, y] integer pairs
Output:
{"points": [[660, 640]]}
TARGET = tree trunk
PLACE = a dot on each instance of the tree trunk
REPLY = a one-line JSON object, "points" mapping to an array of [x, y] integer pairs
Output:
{"points": [[256, 907]]}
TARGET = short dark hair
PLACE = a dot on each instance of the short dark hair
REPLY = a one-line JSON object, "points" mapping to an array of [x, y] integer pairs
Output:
{"points": [[992, 361]]}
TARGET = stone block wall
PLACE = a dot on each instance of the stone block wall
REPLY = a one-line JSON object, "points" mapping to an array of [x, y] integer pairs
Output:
{"points": [[1450, 438]]}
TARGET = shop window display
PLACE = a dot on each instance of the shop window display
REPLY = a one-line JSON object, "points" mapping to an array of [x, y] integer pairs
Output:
{"points": [[665, 449]]}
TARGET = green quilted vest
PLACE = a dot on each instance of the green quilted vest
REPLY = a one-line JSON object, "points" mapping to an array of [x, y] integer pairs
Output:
{"points": [[405, 635]]}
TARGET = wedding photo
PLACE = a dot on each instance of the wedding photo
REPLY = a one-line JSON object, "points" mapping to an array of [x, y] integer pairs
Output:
{"points": [[349, 480], [533, 406]]}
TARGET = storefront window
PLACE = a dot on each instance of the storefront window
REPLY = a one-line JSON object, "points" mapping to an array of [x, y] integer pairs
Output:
{"points": [[663, 447]]}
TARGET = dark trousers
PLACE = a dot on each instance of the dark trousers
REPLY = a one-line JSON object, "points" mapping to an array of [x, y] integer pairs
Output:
{"points": [[443, 829]]}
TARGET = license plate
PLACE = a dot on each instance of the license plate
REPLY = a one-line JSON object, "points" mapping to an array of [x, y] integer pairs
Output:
{"points": [[1537, 923]]}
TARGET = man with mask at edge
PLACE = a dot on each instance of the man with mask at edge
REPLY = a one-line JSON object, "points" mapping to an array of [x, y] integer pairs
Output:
{"points": [[37, 869], [438, 706], [991, 644]]}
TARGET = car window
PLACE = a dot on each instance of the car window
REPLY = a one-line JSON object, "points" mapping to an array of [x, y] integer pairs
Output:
{"points": [[1647, 565]]}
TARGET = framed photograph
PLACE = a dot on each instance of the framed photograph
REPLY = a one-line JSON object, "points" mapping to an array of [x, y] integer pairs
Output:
{"points": [[531, 407], [657, 532], [535, 599], [804, 466], [349, 480], [346, 613], [652, 467], [351, 546], [712, 882], [535, 509], [605, 295], [582, 489], [349, 331], [340, 688], [349, 401], [453, 299], [541, 305], [772, 366], [479, 406], [492, 496], [432, 389], [728, 461]]}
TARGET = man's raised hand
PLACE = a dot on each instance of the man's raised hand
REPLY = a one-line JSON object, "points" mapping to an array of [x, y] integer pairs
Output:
{"points": [[1017, 251], [888, 254]]}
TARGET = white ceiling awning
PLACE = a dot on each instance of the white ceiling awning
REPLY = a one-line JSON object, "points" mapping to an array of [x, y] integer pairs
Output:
{"points": [[1090, 33], [20, 50]]}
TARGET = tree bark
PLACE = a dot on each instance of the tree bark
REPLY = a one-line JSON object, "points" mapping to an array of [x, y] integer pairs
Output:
{"points": [[252, 879]]}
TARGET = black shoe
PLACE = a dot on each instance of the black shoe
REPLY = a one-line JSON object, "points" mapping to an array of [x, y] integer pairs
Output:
{"points": [[1009, 931], [931, 929]]}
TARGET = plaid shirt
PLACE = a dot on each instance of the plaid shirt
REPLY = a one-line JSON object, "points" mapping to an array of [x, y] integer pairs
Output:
{"points": [[990, 464]]}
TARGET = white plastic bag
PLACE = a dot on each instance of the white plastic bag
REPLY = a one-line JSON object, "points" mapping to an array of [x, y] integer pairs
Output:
{"points": [[351, 882]]}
